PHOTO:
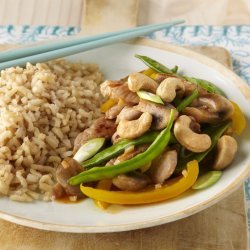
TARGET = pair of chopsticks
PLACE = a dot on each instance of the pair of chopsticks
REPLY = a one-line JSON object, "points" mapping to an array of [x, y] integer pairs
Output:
{"points": [[54, 50]]}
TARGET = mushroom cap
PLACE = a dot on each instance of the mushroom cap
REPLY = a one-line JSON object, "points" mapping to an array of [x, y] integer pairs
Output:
{"points": [[169, 87], [188, 138], [139, 81], [210, 108], [160, 113], [226, 150]]}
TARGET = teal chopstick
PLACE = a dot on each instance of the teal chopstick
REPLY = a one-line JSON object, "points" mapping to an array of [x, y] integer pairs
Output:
{"points": [[74, 49], [54, 45]]}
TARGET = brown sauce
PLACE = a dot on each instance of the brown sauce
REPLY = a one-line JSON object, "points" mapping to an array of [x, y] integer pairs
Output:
{"points": [[66, 200]]}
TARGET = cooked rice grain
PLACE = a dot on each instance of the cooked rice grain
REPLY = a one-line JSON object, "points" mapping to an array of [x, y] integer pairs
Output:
{"points": [[42, 109]]}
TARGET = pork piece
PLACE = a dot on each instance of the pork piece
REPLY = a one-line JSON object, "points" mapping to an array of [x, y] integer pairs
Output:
{"points": [[101, 127], [58, 191], [68, 168], [132, 181], [163, 166], [118, 90], [130, 153], [113, 112]]}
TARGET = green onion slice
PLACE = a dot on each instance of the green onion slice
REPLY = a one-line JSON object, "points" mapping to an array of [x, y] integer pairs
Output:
{"points": [[89, 149], [206, 180], [149, 96]]}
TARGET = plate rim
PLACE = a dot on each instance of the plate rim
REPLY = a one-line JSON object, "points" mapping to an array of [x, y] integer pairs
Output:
{"points": [[236, 80]]}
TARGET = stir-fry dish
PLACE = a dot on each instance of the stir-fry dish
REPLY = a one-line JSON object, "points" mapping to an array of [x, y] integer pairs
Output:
{"points": [[161, 134]]}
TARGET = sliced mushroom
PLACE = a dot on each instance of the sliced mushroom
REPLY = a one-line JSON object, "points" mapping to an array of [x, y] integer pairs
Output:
{"points": [[210, 108], [68, 168], [118, 89], [188, 138], [160, 113], [128, 113], [226, 150], [139, 81], [163, 166], [169, 88], [135, 128], [131, 182]]}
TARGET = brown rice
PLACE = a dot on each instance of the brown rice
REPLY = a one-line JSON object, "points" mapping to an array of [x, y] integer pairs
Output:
{"points": [[42, 109]]}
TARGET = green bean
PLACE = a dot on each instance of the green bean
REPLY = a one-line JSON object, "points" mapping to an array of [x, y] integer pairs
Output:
{"points": [[154, 150], [118, 148], [188, 100]]}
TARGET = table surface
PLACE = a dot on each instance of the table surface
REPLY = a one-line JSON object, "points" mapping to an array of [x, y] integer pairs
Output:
{"points": [[71, 13]]}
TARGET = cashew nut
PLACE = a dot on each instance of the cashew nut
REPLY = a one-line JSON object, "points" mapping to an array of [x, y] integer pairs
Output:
{"points": [[128, 113], [188, 138], [139, 81], [168, 88], [135, 128], [226, 150]]}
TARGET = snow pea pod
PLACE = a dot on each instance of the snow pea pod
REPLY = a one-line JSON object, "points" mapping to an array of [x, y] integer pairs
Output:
{"points": [[208, 86], [156, 66], [118, 148], [155, 149], [160, 68]]}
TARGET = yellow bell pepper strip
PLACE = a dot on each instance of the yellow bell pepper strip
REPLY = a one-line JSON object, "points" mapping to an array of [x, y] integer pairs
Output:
{"points": [[238, 119], [167, 191], [140, 160], [104, 184], [108, 104], [148, 72]]}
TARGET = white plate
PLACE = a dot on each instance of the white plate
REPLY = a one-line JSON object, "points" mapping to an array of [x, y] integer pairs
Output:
{"points": [[117, 61]]}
